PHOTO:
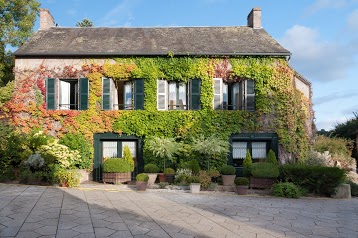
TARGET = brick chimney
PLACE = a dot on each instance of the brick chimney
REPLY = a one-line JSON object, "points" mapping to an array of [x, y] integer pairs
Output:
{"points": [[254, 18], [46, 19]]}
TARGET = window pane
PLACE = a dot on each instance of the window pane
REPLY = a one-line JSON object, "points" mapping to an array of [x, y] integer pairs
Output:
{"points": [[239, 150], [131, 145], [128, 95], [172, 95], [217, 84], [182, 96], [110, 149], [65, 92], [258, 150], [225, 96], [235, 96]]}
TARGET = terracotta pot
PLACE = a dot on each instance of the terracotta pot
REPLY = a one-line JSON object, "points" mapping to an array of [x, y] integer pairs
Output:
{"points": [[161, 178], [228, 180], [141, 186], [242, 189]]}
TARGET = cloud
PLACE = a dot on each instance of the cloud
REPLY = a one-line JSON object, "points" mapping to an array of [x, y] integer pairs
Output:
{"points": [[119, 15], [324, 4], [320, 60], [352, 20], [333, 97]]}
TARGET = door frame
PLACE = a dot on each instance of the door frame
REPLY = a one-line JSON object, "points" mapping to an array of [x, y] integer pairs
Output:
{"points": [[97, 162]]}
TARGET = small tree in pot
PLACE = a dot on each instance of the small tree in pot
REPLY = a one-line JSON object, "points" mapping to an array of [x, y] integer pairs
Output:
{"points": [[142, 181], [242, 185], [228, 175]]}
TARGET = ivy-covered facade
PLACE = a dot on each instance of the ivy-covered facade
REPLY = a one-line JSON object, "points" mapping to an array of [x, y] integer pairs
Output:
{"points": [[257, 102]]}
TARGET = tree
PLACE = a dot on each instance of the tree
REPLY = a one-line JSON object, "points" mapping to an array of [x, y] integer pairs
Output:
{"points": [[348, 130], [17, 18], [85, 23]]}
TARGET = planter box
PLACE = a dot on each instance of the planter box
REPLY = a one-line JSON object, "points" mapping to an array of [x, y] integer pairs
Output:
{"points": [[169, 178], [152, 178], [161, 178], [262, 182], [84, 175], [116, 177], [195, 187]]}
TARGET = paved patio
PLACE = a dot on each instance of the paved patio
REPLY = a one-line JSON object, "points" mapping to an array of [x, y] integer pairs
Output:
{"points": [[117, 211]]}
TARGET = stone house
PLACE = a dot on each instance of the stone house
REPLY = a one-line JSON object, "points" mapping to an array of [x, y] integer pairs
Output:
{"points": [[119, 85]]}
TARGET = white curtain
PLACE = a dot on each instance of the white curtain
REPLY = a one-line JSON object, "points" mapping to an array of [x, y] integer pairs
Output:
{"points": [[128, 95], [172, 95], [110, 149], [258, 150], [239, 150]]}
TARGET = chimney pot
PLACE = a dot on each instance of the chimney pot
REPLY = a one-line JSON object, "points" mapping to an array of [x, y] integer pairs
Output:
{"points": [[254, 18], [46, 19]]}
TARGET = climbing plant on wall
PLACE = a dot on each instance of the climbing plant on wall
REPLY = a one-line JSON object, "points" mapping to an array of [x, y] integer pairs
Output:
{"points": [[279, 106]]}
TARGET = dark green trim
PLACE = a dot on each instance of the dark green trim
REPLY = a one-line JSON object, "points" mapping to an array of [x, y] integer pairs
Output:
{"points": [[97, 163], [138, 94], [84, 91], [271, 138], [106, 94], [50, 93]]}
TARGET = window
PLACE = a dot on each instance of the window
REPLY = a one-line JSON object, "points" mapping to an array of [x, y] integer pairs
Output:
{"points": [[174, 95], [67, 94], [258, 151], [122, 95], [234, 95]]}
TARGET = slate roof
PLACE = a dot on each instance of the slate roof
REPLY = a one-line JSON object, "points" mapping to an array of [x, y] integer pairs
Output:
{"points": [[101, 41]]}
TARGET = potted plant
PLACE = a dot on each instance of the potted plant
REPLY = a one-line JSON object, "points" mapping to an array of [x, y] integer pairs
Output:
{"points": [[116, 170], [264, 175], [242, 185], [169, 175], [66, 178], [228, 175], [152, 171], [194, 183], [142, 181]]}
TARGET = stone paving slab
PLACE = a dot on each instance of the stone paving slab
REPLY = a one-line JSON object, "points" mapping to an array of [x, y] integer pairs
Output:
{"points": [[120, 211]]}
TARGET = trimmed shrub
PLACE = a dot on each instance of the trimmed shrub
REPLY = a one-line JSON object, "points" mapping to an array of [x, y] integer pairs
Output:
{"points": [[116, 165], [35, 162], [169, 171], [241, 181], [142, 177], [193, 179], [205, 179], [271, 157], [246, 164], [316, 179], [264, 170], [228, 170], [151, 168], [288, 190]]}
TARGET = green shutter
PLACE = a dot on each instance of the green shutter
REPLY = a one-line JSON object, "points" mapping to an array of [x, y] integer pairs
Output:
{"points": [[250, 95], [241, 102], [51, 93], [106, 94], [83, 103], [194, 94], [138, 94]]}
